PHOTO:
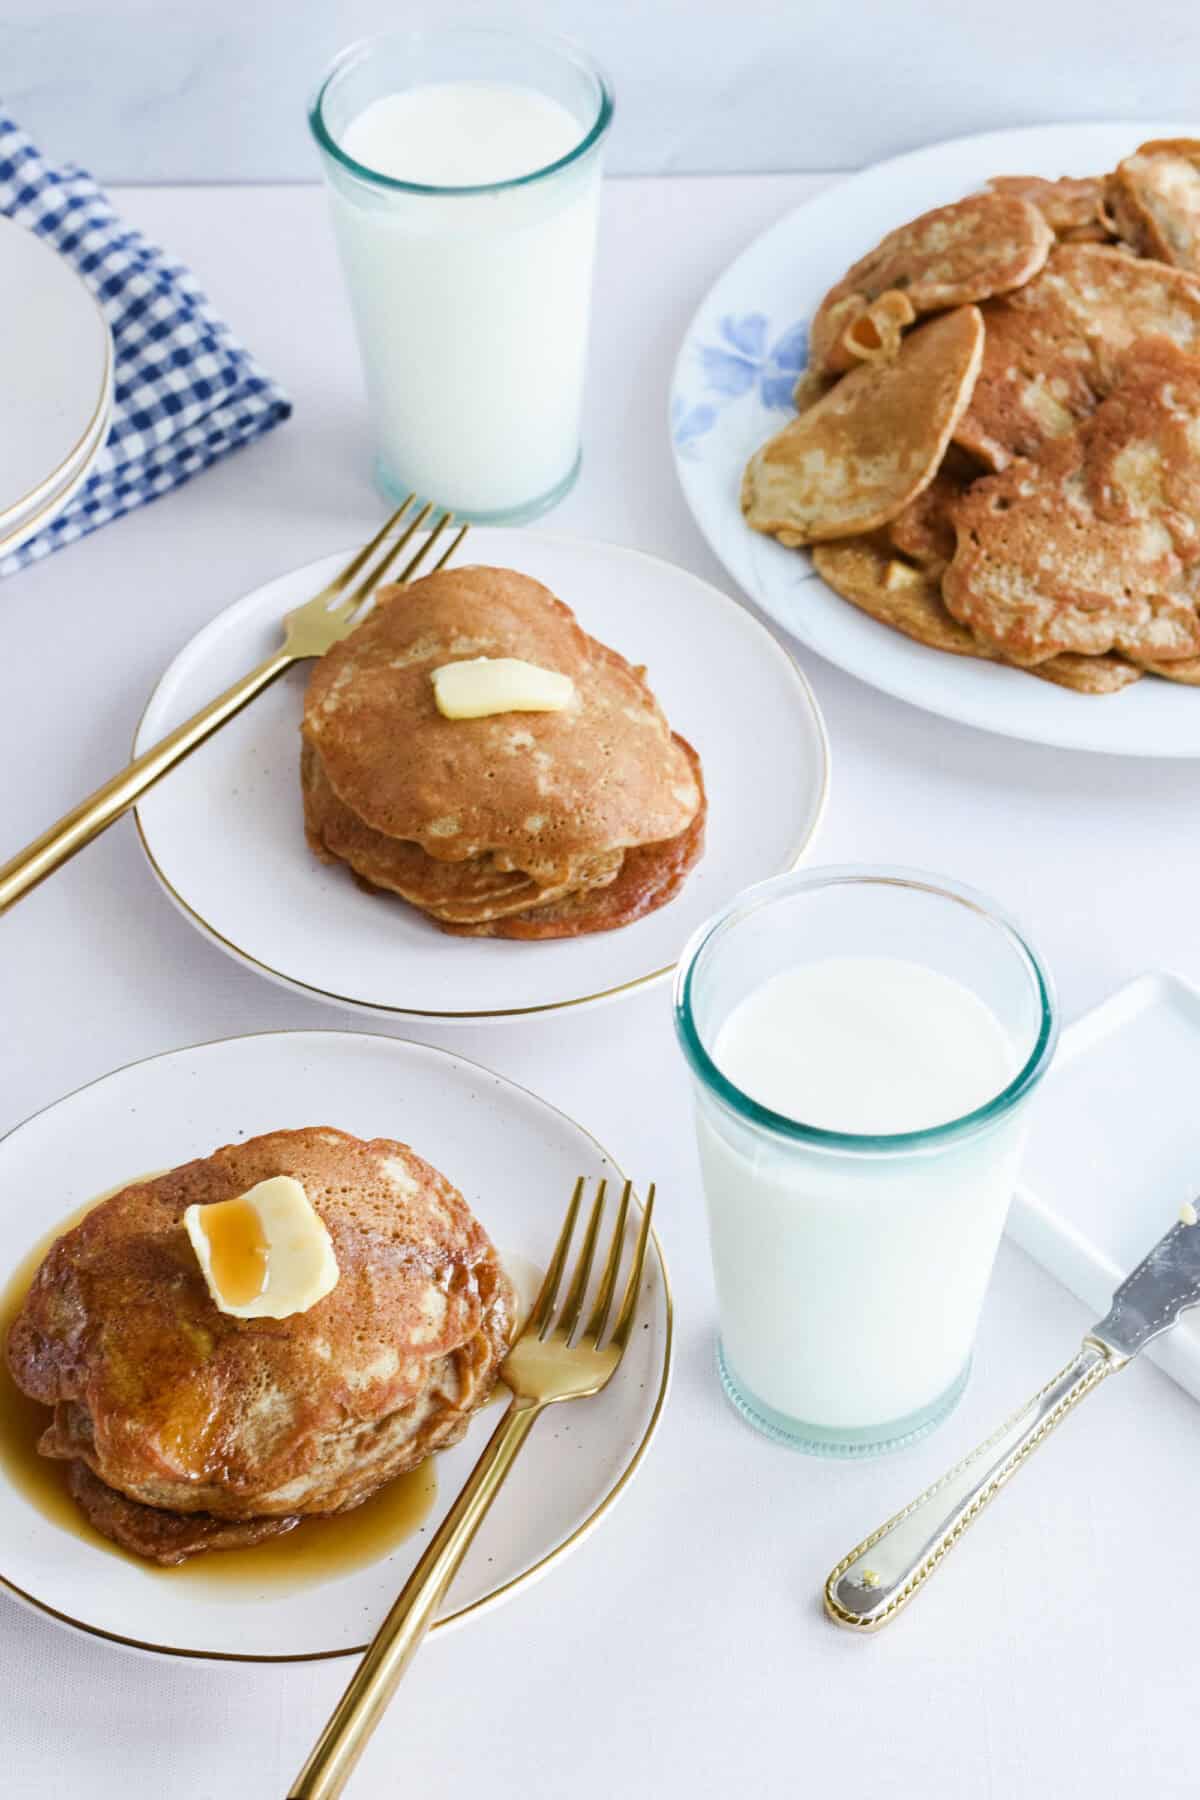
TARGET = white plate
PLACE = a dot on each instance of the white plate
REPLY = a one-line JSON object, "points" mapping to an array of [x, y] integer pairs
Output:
{"points": [[26, 523], [224, 831], [1115, 1150], [55, 369], [515, 1159], [732, 389]]}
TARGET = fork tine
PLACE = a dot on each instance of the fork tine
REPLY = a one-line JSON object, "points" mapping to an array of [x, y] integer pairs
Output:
{"points": [[455, 541], [374, 576], [358, 563], [543, 1306], [608, 1280], [624, 1324], [577, 1292], [422, 551]]}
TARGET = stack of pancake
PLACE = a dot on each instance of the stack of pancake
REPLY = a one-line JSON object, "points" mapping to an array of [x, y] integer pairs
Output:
{"points": [[518, 825], [186, 1429], [996, 449]]}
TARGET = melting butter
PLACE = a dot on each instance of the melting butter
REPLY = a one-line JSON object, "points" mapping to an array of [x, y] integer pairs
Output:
{"points": [[265, 1254], [483, 685]]}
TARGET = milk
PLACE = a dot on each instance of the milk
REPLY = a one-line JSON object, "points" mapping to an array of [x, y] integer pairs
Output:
{"points": [[849, 1286], [471, 309]]}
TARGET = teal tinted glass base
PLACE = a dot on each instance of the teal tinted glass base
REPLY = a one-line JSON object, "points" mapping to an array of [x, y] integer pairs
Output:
{"points": [[395, 489], [818, 1440]]}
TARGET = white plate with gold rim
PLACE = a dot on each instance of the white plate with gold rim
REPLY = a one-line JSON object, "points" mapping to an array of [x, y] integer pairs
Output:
{"points": [[515, 1159], [731, 391], [225, 836]]}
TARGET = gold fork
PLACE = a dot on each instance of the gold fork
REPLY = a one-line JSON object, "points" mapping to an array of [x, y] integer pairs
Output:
{"points": [[552, 1360], [308, 631]]}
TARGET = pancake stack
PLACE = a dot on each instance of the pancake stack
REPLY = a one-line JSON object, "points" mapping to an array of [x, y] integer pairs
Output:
{"points": [[518, 825], [186, 1429], [996, 450]]}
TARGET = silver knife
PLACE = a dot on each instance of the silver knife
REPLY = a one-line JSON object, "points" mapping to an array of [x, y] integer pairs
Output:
{"points": [[881, 1575]]}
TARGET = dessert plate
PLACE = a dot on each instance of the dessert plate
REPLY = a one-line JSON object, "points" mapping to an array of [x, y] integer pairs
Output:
{"points": [[732, 390], [55, 379], [225, 835], [514, 1157]]}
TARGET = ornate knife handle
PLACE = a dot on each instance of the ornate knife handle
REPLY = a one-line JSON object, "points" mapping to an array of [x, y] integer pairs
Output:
{"points": [[882, 1574]]}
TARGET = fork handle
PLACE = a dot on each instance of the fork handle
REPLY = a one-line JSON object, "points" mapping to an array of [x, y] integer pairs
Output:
{"points": [[882, 1574], [93, 815], [370, 1689]]}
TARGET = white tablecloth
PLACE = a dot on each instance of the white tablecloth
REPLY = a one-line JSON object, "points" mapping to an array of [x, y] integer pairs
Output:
{"points": [[682, 1651]]}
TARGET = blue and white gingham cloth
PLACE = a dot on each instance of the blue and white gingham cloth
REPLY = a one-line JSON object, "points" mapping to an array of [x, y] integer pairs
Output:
{"points": [[185, 391]]}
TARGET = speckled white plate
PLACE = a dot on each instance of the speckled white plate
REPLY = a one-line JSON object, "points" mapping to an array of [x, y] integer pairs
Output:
{"points": [[514, 1157], [225, 834], [732, 389]]}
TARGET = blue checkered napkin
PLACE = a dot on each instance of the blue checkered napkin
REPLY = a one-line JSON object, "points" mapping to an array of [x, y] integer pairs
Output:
{"points": [[185, 391]]}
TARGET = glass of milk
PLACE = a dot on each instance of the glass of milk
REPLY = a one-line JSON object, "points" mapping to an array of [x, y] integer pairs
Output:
{"points": [[864, 1044], [464, 174]]}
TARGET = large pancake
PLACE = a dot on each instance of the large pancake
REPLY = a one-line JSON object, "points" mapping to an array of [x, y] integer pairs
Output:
{"points": [[864, 571], [1154, 200], [649, 876], [179, 1406], [1096, 546], [1073, 206], [984, 245], [536, 790], [472, 891], [1052, 350], [161, 1536], [857, 457]]}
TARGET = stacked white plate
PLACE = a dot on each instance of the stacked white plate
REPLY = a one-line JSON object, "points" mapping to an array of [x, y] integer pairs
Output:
{"points": [[56, 380]]}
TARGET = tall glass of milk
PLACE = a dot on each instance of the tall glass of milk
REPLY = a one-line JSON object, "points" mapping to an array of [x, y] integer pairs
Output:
{"points": [[464, 173], [863, 1044]]}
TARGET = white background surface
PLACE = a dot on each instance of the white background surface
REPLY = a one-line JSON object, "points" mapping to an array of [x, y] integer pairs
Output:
{"points": [[156, 90], [682, 1651]]}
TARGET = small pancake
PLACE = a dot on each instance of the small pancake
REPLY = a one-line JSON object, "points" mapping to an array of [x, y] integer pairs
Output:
{"points": [[984, 245], [181, 1407], [650, 875], [163, 1537], [469, 892], [1096, 546], [536, 791], [858, 456], [864, 571], [1154, 201], [1052, 350], [1072, 206]]}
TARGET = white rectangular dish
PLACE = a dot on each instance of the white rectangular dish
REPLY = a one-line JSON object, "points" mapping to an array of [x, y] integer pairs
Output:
{"points": [[1114, 1150]]}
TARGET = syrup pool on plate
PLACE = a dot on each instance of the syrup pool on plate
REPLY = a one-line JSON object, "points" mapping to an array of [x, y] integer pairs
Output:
{"points": [[464, 173], [860, 1132]]}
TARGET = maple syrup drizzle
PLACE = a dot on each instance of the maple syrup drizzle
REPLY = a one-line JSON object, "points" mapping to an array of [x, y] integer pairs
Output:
{"points": [[317, 1550], [238, 1247]]}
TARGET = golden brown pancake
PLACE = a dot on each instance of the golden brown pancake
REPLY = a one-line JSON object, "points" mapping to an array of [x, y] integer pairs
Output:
{"points": [[649, 876], [1053, 349], [856, 458], [536, 791], [1096, 546], [161, 1536], [865, 572], [473, 891], [924, 531], [984, 245], [179, 1407], [1073, 206], [1153, 198]]}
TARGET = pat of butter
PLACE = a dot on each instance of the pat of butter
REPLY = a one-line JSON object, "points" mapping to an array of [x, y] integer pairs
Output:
{"points": [[265, 1254], [483, 685]]}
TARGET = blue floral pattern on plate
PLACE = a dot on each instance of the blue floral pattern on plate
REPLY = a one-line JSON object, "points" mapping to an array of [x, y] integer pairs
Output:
{"points": [[744, 361]]}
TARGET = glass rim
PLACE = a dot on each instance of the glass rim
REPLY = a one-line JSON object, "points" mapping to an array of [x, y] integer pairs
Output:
{"points": [[864, 1143], [362, 48]]}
